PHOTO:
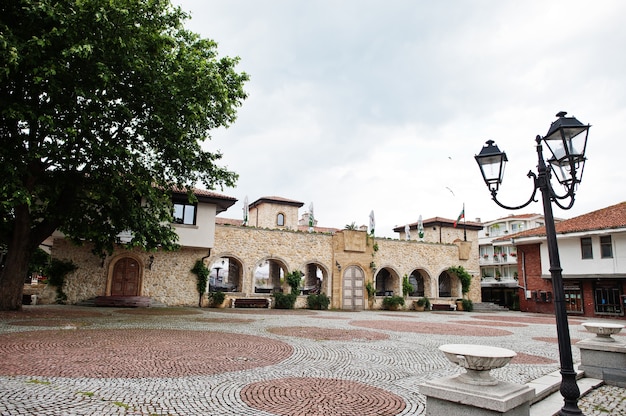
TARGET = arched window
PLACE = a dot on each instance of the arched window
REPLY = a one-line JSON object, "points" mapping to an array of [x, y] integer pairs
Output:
{"points": [[280, 220]]}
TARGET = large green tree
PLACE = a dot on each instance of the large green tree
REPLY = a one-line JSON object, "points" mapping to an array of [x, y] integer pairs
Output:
{"points": [[104, 105]]}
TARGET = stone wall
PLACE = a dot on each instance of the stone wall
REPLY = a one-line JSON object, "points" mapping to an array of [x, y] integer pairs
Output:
{"points": [[169, 279]]}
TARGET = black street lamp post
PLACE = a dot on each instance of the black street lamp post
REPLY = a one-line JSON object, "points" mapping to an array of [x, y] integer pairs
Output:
{"points": [[567, 142]]}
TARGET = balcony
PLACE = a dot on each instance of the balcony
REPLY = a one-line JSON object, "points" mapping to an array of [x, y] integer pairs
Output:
{"points": [[499, 259]]}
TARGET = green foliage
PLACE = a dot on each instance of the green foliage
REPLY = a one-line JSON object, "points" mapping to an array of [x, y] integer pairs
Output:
{"points": [[56, 272], [392, 302], [294, 279], [351, 227], [284, 300], [407, 287], [319, 302], [202, 273], [425, 302], [464, 277], [468, 305], [39, 261], [371, 289], [105, 105], [216, 298]]}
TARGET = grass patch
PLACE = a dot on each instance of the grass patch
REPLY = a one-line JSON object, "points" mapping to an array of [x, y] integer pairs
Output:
{"points": [[35, 381], [86, 393], [122, 404]]}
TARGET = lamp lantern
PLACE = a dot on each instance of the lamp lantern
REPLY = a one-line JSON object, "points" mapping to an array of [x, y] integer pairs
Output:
{"points": [[567, 141], [491, 162]]}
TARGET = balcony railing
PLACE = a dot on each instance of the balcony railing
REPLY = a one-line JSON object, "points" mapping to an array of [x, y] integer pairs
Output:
{"points": [[499, 259]]}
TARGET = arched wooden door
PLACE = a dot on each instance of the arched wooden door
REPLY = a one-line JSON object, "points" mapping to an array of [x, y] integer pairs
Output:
{"points": [[353, 288], [125, 280]]}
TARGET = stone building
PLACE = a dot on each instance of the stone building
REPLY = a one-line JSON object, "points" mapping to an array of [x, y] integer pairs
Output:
{"points": [[251, 261]]}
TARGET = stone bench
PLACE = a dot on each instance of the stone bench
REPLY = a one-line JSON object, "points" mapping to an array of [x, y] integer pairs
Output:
{"points": [[442, 307], [251, 303]]}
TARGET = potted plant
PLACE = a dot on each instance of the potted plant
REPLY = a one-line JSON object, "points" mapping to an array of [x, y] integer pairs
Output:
{"points": [[422, 304], [392, 303], [468, 305], [459, 304]]}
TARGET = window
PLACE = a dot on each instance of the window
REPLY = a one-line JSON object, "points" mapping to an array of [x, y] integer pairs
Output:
{"points": [[280, 220], [607, 298], [585, 248], [184, 213], [606, 247], [517, 227]]}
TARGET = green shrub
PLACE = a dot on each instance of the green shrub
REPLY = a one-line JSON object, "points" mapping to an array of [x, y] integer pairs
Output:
{"points": [[319, 302], [468, 305], [371, 290], [464, 277], [293, 280], [56, 273], [202, 273], [216, 298], [284, 300], [392, 302], [425, 302]]}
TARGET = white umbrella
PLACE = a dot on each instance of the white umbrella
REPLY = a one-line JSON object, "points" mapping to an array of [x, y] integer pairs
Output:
{"points": [[311, 218], [245, 211], [420, 228], [407, 232], [372, 223]]}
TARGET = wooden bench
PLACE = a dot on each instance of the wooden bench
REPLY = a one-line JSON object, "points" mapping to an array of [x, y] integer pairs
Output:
{"points": [[442, 307], [123, 301], [251, 303]]}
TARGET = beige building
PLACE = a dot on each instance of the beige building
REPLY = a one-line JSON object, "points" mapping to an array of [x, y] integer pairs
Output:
{"points": [[251, 261]]}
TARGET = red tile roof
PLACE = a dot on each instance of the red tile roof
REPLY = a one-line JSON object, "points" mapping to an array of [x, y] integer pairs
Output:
{"points": [[603, 219], [276, 200]]}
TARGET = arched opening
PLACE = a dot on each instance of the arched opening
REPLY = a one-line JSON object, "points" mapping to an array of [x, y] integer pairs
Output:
{"points": [[445, 287], [387, 283], [314, 278], [418, 282], [225, 275], [269, 276]]}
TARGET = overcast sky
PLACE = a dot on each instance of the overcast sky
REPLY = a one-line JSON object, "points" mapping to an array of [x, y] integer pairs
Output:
{"points": [[361, 105]]}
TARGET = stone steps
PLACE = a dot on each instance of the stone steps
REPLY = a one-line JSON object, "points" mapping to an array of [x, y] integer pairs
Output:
{"points": [[488, 307]]}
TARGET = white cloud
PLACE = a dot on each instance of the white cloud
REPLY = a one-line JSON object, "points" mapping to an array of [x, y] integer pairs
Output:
{"points": [[361, 105]]}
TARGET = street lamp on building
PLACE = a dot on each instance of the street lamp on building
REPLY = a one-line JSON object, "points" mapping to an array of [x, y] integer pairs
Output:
{"points": [[567, 141]]}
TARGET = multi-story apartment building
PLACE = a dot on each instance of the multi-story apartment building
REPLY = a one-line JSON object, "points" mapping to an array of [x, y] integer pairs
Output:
{"points": [[498, 257]]}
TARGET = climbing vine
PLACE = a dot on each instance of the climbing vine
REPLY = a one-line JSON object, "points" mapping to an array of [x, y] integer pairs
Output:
{"points": [[200, 270]]}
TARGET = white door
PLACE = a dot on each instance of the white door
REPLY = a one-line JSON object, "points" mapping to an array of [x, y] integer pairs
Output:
{"points": [[353, 296]]}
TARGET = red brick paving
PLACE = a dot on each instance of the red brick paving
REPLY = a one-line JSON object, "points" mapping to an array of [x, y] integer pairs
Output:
{"points": [[320, 397], [554, 340], [494, 323], [432, 328], [328, 333], [135, 354], [522, 358]]}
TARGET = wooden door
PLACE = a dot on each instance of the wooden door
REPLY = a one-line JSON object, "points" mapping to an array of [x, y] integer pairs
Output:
{"points": [[125, 281], [353, 293]]}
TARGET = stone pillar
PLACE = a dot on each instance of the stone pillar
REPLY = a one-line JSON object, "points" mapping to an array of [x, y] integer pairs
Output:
{"points": [[603, 357], [475, 392]]}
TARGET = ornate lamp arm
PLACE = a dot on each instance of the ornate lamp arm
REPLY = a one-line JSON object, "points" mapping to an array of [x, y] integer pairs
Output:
{"points": [[494, 192]]}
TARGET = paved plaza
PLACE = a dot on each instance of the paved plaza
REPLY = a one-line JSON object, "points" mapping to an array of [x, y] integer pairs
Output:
{"points": [[69, 360]]}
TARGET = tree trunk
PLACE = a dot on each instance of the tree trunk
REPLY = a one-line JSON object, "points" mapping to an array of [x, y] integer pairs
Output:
{"points": [[15, 270], [12, 278]]}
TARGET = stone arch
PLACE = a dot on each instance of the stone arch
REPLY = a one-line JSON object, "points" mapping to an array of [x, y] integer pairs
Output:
{"points": [[316, 277], [449, 286], [388, 282], [269, 275], [420, 280], [226, 274], [115, 265]]}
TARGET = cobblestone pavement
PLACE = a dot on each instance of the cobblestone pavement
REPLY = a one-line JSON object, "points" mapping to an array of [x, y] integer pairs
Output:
{"points": [[67, 360]]}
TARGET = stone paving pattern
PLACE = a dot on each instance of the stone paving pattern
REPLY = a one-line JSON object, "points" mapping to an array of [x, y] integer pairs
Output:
{"points": [[68, 360]]}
